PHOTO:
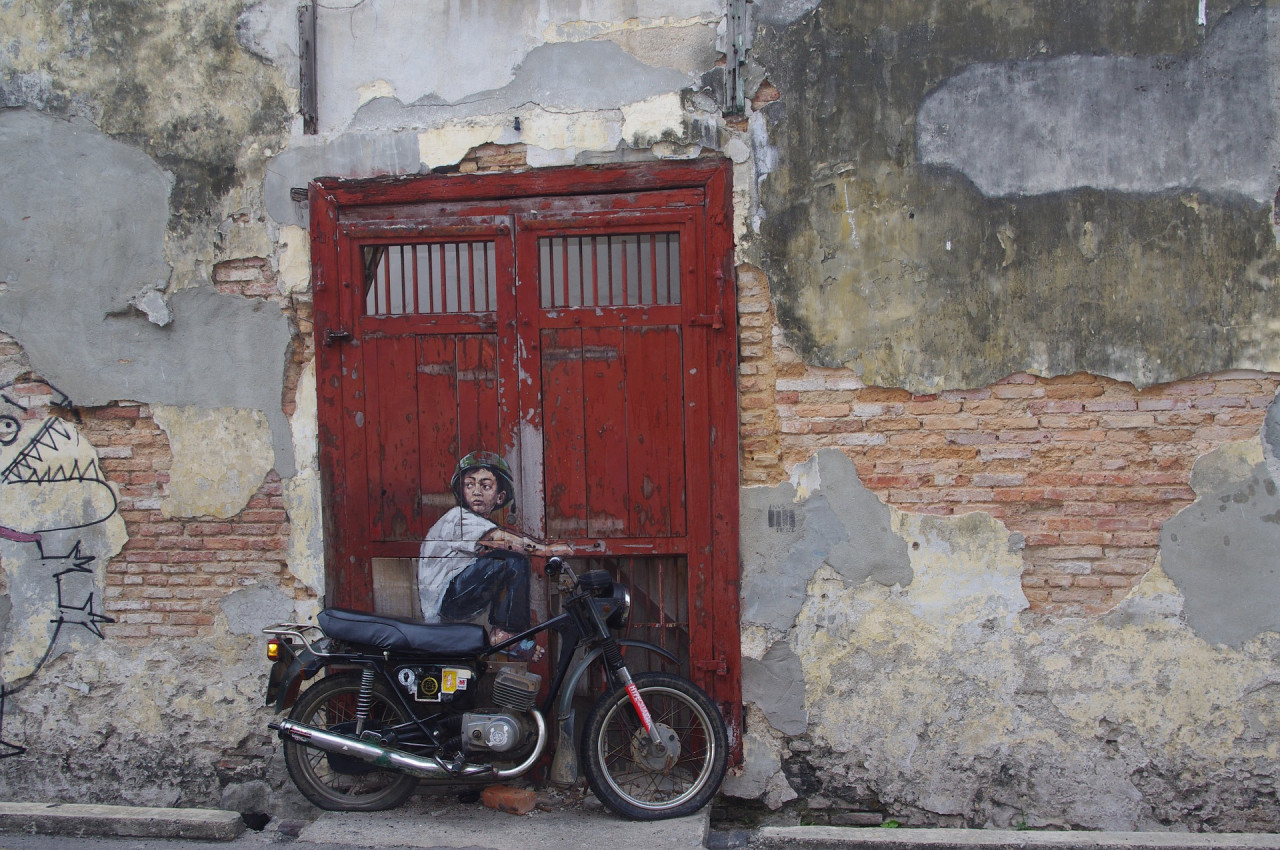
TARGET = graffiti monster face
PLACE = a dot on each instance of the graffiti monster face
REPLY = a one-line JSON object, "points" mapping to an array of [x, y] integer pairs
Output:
{"points": [[49, 477]]}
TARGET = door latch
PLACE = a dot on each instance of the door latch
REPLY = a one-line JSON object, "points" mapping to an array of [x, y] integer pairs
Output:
{"points": [[715, 665], [714, 320], [332, 336]]}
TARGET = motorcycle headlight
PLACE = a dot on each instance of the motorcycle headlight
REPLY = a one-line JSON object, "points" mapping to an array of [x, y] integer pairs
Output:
{"points": [[621, 608]]}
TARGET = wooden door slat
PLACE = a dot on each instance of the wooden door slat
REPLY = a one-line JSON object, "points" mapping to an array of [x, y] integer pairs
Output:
{"points": [[394, 475], [605, 396], [564, 422], [437, 391]]}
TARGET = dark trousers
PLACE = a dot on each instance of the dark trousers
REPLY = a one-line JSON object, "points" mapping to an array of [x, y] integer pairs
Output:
{"points": [[498, 580]]}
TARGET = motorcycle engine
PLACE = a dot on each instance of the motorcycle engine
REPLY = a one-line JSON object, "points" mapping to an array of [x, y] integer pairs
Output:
{"points": [[501, 731], [498, 733]]}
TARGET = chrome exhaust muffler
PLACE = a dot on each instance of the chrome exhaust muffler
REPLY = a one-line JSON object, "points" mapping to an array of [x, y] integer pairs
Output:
{"points": [[423, 768]]}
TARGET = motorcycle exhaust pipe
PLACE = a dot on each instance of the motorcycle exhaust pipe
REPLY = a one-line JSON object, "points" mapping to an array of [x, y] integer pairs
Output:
{"points": [[423, 768]]}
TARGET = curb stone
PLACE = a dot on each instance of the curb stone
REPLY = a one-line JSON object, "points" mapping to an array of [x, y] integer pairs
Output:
{"points": [[120, 821], [847, 838]]}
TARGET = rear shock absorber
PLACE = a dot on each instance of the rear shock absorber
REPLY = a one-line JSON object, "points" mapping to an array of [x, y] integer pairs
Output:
{"points": [[364, 702]]}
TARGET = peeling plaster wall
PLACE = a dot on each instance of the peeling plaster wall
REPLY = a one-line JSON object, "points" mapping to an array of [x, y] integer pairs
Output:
{"points": [[949, 199], [969, 191], [83, 227], [943, 702], [207, 479]]}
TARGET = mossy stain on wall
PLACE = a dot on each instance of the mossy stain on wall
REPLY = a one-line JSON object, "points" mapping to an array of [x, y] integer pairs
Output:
{"points": [[908, 274]]}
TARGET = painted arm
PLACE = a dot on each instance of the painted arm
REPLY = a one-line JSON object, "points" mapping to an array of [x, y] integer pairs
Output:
{"points": [[501, 538]]}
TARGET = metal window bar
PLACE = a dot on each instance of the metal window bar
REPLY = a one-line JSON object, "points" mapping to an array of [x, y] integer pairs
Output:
{"points": [[609, 271], [430, 278]]}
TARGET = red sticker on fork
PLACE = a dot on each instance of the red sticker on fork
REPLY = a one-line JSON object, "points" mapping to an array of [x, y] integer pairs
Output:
{"points": [[641, 708]]}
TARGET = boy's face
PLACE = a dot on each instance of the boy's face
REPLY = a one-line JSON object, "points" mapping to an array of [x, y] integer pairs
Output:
{"points": [[481, 492]]}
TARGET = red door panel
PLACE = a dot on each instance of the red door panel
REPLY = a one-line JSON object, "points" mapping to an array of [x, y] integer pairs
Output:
{"points": [[612, 410], [655, 431]]}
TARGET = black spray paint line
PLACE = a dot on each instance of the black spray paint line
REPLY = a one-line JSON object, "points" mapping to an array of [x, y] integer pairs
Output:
{"points": [[83, 614]]}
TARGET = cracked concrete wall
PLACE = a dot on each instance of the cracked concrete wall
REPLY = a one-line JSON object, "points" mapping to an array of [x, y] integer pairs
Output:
{"points": [[570, 81], [206, 478]]}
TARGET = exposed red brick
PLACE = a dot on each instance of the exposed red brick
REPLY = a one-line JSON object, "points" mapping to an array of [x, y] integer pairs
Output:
{"points": [[171, 572], [1087, 469]]}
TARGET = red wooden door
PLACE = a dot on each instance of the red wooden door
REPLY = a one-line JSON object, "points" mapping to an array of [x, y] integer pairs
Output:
{"points": [[580, 324]]}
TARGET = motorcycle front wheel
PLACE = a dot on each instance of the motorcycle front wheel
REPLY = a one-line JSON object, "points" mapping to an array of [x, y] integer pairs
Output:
{"points": [[340, 783], [635, 778]]}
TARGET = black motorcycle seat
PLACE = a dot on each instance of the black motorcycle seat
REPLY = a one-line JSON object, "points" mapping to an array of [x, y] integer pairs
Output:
{"points": [[396, 633]]}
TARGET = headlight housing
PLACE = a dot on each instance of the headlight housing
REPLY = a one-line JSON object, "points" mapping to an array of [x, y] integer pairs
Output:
{"points": [[621, 604]]}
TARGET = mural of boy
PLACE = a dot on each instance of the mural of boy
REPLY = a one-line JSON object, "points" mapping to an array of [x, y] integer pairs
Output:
{"points": [[468, 563]]}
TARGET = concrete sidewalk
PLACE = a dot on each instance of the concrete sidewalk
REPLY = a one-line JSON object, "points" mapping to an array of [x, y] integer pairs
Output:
{"points": [[442, 822], [428, 821]]}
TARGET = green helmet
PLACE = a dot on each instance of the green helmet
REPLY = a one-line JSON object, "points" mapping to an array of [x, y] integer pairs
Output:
{"points": [[492, 462]]}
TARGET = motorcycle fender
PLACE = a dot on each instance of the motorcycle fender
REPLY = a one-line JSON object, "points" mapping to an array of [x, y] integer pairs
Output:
{"points": [[287, 676], [564, 767]]}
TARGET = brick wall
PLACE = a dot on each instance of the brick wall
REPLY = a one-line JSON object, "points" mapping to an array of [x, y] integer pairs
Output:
{"points": [[1086, 468], [493, 157], [172, 572]]}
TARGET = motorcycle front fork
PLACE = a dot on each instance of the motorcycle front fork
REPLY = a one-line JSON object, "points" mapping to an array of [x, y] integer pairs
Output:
{"points": [[613, 657]]}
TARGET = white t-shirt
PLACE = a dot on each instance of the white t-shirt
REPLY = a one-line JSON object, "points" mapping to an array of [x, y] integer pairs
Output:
{"points": [[448, 549]]}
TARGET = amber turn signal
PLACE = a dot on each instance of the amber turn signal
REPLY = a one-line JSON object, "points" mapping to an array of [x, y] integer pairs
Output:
{"points": [[273, 649]]}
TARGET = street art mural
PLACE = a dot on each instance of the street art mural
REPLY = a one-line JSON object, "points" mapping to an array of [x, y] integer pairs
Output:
{"points": [[58, 525], [470, 567]]}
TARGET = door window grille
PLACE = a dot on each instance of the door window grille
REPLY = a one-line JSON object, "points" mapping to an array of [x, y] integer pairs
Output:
{"points": [[609, 271], [430, 278]]}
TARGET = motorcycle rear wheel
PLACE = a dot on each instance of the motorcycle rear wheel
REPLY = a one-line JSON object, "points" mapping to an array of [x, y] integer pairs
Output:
{"points": [[337, 783], [634, 781]]}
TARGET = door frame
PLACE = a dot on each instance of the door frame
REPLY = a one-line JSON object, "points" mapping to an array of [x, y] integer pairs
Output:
{"points": [[713, 574]]}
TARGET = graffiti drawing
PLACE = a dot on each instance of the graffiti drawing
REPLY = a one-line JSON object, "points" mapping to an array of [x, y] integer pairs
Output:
{"points": [[50, 485], [42, 455], [468, 563]]}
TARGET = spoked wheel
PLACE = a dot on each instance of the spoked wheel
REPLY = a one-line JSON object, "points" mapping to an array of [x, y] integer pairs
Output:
{"points": [[641, 780], [339, 783]]}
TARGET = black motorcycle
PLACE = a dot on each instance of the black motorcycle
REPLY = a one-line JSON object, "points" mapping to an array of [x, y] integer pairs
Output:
{"points": [[404, 701]]}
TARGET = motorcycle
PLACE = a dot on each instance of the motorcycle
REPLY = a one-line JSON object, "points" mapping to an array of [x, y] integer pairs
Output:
{"points": [[403, 701]]}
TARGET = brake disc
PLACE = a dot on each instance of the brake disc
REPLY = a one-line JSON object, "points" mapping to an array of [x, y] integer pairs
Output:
{"points": [[646, 754]]}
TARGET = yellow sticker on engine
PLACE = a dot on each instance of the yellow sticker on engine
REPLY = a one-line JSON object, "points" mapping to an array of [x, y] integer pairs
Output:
{"points": [[450, 681]]}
